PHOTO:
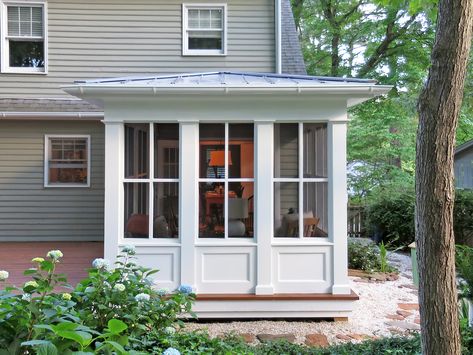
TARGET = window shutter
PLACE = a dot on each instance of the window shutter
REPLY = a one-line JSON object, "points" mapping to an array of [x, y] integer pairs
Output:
{"points": [[25, 21]]}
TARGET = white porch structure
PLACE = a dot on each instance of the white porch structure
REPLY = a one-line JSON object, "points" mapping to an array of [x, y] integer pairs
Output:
{"points": [[269, 271]]}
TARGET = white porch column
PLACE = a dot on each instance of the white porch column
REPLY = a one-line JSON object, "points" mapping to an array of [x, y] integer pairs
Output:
{"points": [[264, 205], [114, 168], [338, 198], [189, 199]]}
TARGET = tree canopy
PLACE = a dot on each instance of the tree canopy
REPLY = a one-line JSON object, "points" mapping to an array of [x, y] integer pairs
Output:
{"points": [[391, 41]]}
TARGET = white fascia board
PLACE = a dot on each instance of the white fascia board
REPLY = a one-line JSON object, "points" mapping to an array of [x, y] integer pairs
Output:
{"points": [[91, 90]]}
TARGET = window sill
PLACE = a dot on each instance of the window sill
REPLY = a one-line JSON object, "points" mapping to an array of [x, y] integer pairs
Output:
{"points": [[203, 54], [67, 186], [26, 72]]}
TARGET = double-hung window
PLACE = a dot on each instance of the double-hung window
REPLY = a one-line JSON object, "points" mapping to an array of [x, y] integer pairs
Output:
{"points": [[24, 37], [67, 161], [204, 29], [300, 180]]}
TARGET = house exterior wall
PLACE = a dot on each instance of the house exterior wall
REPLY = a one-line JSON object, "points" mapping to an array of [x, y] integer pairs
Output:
{"points": [[464, 169], [31, 212], [114, 38]]}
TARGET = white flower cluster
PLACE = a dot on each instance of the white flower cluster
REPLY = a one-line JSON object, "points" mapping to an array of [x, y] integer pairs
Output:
{"points": [[170, 330], [171, 351], [142, 297], [163, 292], [101, 264], [31, 284], [119, 287], [66, 296], [4, 275], [129, 249], [55, 254], [26, 297]]}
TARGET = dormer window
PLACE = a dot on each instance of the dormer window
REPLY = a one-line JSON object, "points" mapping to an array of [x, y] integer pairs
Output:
{"points": [[23, 47], [204, 29]]}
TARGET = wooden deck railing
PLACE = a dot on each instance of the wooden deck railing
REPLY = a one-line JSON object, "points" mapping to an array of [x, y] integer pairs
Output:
{"points": [[356, 221]]}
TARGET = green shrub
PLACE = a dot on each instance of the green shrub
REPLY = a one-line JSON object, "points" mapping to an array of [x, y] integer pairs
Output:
{"points": [[105, 313], [363, 256], [390, 217], [464, 267]]}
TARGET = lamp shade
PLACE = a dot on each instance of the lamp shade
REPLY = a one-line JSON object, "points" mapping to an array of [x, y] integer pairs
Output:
{"points": [[237, 208], [217, 158]]}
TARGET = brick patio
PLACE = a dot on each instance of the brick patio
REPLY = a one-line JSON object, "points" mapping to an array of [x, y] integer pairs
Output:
{"points": [[15, 257]]}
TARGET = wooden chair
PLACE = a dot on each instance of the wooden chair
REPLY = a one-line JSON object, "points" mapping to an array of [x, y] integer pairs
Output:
{"points": [[310, 227]]}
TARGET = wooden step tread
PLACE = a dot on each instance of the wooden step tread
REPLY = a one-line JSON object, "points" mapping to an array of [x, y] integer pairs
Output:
{"points": [[276, 297]]}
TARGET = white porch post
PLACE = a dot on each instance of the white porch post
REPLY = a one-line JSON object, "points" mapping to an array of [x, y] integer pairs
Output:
{"points": [[264, 205], [188, 212], [114, 163], [338, 198]]}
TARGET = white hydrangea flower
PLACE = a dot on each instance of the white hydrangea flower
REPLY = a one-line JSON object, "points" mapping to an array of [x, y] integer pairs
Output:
{"points": [[129, 249], [37, 260], [170, 330], [66, 296], [171, 351], [119, 287], [101, 264], [142, 297], [4, 275], [26, 297], [163, 292], [31, 283], [55, 254]]}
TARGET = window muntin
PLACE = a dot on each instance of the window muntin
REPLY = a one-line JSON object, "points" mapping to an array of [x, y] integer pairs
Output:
{"points": [[67, 161], [300, 180], [151, 184], [24, 42], [226, 183], [204, 29]]}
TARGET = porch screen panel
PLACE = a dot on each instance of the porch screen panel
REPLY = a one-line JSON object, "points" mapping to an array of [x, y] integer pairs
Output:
{"points": [[151, 180], [226, 183], [300, 180]]}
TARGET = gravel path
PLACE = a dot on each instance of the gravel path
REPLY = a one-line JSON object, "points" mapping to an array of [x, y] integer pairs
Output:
{"points": [[377, 300]]}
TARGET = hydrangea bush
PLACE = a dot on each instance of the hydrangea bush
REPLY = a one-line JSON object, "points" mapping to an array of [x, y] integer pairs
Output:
{"points": [[110, 311]]}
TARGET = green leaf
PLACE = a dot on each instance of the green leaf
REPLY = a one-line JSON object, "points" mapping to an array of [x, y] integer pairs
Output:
{"points": [[47, 349], [64, 326], [80, 337], [30, 271], [35, 342], [116, 346], [116, 326], [46, 265], [82, 353]]}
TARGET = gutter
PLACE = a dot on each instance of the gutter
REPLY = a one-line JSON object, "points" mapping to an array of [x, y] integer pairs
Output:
{"points": [[53, 116], [93, 90], [277, 23]]}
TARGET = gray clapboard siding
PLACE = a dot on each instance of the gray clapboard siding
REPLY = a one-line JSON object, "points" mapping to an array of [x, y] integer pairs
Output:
{"points": [[464, 169], [109, 38], [31, 212]]}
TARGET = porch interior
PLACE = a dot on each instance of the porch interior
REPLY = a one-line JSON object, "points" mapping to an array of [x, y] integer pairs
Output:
{"points": [[15, 257]]}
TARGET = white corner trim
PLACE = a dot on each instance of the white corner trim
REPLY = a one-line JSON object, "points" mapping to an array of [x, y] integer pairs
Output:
{"points": [[46, 161], [4, 47], [185, 39]]}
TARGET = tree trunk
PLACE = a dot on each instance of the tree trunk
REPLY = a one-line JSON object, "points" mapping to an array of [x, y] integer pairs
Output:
{"points": [[439, 106]]}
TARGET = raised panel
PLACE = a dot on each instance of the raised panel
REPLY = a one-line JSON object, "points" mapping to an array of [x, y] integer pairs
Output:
{"points": [[302, 267], [226, 267]]}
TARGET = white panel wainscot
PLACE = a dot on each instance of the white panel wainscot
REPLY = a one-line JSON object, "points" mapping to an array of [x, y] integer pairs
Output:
{"points": [[226, 269], [164, 258], [304, 269]]}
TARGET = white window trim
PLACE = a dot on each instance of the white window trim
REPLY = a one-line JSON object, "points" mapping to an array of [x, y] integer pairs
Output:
{"points": [[46, 160], [4, 44], [185, 39], [300, 180]]}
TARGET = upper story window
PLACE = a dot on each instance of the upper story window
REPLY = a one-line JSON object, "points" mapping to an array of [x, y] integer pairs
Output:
{"points": [[67, 161], [24, 37], [204, 29]]}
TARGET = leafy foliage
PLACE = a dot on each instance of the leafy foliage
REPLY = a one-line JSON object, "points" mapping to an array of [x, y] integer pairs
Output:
{"points": [[363, 256], [104, 314], [464, 266]]}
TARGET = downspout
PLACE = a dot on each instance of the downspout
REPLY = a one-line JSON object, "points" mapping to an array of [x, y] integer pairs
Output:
{"points": [[277, 23]]}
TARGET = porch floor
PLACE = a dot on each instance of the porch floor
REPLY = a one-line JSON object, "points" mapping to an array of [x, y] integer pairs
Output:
{"points": [[15, 257]]}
